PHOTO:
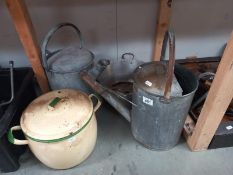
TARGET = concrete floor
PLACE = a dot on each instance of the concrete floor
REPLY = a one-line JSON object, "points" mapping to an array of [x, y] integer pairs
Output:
{"points": [[116, 152]]}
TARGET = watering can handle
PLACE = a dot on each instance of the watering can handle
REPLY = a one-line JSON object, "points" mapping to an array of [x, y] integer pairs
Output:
{"points": [[171, 63], [49, 36]]}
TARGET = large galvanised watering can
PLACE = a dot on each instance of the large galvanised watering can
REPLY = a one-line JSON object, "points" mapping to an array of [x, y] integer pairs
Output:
{"points": [[160, 99]]}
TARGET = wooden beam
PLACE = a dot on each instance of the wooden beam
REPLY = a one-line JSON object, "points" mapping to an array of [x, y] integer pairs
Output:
{"points": [[162, 26], [25, 30], [217, 101]]}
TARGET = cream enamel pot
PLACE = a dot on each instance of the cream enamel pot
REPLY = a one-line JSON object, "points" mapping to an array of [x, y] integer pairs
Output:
{"points": [[60, 128]]}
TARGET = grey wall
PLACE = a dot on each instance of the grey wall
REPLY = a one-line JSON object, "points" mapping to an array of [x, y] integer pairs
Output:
{"points": [[112, 27]]}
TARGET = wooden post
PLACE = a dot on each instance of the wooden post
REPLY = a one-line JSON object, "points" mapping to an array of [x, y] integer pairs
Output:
{"points": [[25, 30], [217, 102], [162, 26]]}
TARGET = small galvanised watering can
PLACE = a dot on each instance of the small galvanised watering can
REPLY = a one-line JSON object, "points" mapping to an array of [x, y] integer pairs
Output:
{"points": [[62, 66]]}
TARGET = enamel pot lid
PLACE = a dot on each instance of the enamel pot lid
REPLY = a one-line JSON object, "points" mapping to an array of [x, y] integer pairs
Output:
{"points": [[57, 115]]}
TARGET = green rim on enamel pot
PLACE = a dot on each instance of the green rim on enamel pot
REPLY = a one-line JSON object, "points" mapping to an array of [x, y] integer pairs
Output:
{"points": [[56, 116], [11, 136], [63, 138]]}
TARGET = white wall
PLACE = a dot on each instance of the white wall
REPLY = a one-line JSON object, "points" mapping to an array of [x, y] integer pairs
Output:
{"points": [[201, 26]]}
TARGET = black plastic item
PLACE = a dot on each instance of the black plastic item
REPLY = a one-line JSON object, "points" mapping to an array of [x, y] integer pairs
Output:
{"points": [[10, 114], [223, 136]]}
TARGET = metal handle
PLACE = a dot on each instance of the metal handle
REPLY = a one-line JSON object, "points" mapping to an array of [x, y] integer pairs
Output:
{"points": [[12, 84], [171, 63], [198, 101], [120, 96], [131, 55], [49, 36], [96, 107], [13, 140]]}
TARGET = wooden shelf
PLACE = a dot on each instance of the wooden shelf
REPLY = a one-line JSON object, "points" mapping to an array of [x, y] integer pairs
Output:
{"points": [[220, 94]]}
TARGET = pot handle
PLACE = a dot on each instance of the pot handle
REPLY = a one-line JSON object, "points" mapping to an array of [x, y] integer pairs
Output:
{"points": [[49, 35], [127, 56], [171, 63], [98, 101], [11, 138]]}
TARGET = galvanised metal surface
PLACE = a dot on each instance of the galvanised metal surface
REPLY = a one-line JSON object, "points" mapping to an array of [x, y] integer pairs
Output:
{"points": [[152, 78], [120, 105], [157, 111], [63, 66], [156, 126], [120, 71], [156, 123]]}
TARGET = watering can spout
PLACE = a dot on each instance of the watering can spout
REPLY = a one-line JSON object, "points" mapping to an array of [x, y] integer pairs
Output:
{"points": [[98, 68], [107, 94]]}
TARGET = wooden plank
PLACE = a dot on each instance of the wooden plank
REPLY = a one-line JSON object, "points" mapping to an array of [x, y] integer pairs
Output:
{"points": [[25, 30], [162, 26], [217, 101]]}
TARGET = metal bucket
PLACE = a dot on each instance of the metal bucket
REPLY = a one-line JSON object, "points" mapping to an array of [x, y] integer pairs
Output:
{"points": [[161, 97], [163, 94], [63, 66], [158, 124]]}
